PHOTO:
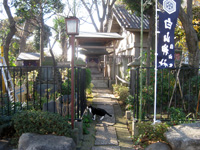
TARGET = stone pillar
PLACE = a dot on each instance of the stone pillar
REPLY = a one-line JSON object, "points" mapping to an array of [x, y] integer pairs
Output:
{"points": [[135, 131], [128, 115], [75, 136], [79, 125], [134, 65]]}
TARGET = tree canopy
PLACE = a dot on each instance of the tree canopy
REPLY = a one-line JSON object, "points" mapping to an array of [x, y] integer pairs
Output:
{"points": [[36, 10]]}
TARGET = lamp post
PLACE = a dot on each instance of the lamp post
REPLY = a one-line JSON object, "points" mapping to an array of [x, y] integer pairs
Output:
{"points": [[72, 29]]}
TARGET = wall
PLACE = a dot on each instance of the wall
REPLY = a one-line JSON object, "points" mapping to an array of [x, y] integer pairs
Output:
{"points": [[129, 46]]}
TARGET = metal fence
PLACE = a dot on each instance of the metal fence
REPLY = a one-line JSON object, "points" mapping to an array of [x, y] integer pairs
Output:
{"points": [[177, 88], [41, 88]]}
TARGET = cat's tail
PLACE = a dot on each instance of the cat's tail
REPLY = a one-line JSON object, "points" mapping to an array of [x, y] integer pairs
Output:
{"points": [[108, 114]]}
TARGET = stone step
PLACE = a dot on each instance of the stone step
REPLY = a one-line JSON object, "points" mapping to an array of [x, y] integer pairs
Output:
{"points": [[106, 135], [107, 121], [100, 83], [94, 70], [97, 76]]}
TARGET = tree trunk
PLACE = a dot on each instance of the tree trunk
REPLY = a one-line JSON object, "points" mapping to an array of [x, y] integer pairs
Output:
{"points": [[150, 44], [11, 32], [107, 26], [101, 19], [64, 48], [23, 38], [191, 35], [56, 71], [41, 37], [109, 18]]}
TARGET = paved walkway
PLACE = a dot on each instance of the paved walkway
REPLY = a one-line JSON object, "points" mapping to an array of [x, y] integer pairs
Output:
{"points": [[111, 133]]}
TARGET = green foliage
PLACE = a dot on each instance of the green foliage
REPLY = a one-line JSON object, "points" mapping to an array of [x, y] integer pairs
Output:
{"points": [[9, 108], [66, 86], [89, 89], [41, 123], [165, 80], [32, 8], [136, 6], [193, 82], [86, 123], [123, 93], [149, 133], [80, 62], [130, 102], [47, 34], [88, 78], [12, 59], [59, 25], [127, 77], [177, 116], [6, 127], [116, 88]]}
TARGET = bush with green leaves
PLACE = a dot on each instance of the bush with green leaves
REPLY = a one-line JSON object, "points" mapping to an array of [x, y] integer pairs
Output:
{"points": [[89, 89], [149, 133], [86, 123], [116, 88], [40, 122], [177, 116], [123, 93], [6, 127], [130, 102], [66, 86], [88, 78]]}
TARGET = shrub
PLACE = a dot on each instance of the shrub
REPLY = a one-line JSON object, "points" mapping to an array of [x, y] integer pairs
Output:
{"points": [[88, 78], [40, 122], [6, 127], [149, 133], [66, 86], [89, 89], [177, 116], [86, 123], [123, 93], [130, 102], [116, 88]]}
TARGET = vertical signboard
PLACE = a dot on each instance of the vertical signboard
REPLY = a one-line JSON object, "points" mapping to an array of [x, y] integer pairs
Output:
{"points": [[168, 15]]}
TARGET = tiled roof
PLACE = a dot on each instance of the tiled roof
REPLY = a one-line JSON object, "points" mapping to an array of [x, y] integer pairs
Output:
{"points": [[128, 20]]}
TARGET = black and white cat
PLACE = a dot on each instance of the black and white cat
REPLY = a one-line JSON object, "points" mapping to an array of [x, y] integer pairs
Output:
{"points": [[98, 111]]}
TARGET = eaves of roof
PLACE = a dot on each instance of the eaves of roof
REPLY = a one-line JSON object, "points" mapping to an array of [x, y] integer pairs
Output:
{"points": [[127, 20], [28, 56]]}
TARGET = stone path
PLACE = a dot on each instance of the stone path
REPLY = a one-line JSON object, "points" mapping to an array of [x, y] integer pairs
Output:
{"points": [[111, 132]]}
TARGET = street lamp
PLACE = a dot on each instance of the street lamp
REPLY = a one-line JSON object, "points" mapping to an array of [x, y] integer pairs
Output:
{"points": [[72, 29], [72, 25]]}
